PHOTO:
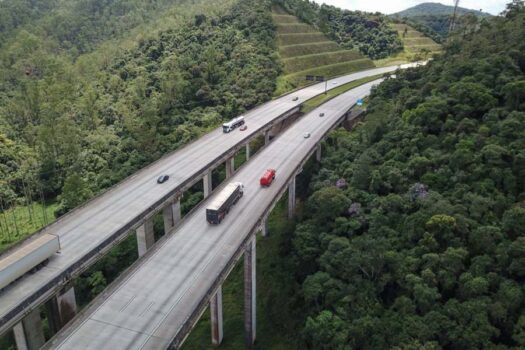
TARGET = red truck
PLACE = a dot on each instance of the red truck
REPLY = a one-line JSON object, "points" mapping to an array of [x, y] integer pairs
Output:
{"points": [[268, 177]]}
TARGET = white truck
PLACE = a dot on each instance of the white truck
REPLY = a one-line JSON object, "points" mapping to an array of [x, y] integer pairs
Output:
{"points": [[26, 257], [232, 124], [220, 206]]}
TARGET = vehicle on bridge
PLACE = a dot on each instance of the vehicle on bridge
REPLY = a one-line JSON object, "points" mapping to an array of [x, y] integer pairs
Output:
{"points": [[232, 124], [220, 206], [29, 256], [268, 177]]}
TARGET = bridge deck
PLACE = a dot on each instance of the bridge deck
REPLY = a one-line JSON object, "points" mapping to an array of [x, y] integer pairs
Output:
{"points": [[156, 300]]}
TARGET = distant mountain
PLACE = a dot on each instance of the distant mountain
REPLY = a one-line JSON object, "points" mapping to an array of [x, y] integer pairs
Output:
{"points": [[433, 18], [436, 9]]}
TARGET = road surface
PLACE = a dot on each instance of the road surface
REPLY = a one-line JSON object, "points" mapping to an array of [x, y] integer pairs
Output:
{"points": [[154, 301]]}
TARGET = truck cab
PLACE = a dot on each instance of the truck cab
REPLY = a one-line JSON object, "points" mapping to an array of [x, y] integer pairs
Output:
{"points": [[268, 177]]}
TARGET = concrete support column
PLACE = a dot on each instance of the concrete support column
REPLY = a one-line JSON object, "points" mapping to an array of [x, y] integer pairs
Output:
{"points": [[29, 334], [61, 309], [248, 151], [216, 317], [249, 293], [207, 184], [171, 215], [167, 216], [264, 227], [266, 137], [318, 153], [291, 199], [230, 167], [145, 237], [177, 216]]}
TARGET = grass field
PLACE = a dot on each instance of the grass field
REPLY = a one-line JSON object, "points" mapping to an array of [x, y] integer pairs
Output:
{"points": [[416, 46], [315, 102], [306, 51], [295, 64], [21, 221], [301, 38], [291, 51], [290, 28]]}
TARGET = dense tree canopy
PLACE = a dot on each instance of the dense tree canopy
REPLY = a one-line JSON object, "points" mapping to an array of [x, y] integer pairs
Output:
{"points": [[424, 248], [78, 126]]}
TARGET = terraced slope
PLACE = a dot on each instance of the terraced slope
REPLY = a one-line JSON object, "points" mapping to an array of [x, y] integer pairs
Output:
{"points": [[417, 46], [415, 41], [306, 51]]}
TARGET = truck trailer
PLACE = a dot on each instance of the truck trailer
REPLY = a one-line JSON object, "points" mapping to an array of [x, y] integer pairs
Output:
{"points": [[27, 257], [220, 206]]}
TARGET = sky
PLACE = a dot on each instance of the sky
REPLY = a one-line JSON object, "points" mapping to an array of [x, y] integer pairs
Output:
{"points": [[391, 6]]}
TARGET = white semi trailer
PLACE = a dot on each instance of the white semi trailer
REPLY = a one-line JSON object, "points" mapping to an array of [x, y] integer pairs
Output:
{"points": [[26, 257]]}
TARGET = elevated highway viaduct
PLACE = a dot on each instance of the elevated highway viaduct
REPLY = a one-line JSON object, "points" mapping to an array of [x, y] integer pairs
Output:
{"points": [[155, 304], [91, 230]]}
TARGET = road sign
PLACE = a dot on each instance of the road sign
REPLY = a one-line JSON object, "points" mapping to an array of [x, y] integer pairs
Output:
{"points": [[319, 78], [360, 102], [310, 77]]}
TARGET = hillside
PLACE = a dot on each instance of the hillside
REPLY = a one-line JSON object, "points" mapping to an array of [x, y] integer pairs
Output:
{"points": [[306, 51], [436, 9], [72, 123], [369, 33], [412, 235], [434, 18]]}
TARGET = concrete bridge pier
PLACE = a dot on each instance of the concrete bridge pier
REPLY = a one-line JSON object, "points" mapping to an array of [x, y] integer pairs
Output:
{"points": [[230, 167], [264, 227], [250, 292], [318, 153], [145, 236], [61, 309], [216, 317], [171, 215], [207, 184], [247, 151], [266, 137], [29, 334], [291, 199]]}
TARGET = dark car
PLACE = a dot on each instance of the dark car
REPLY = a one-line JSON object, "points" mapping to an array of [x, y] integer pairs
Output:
{"points": [[321, 114], [162, 179]]}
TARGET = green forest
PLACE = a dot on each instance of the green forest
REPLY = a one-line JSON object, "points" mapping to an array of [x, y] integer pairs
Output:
{"points": [[74, 123], [413, 234], [410, 233]]}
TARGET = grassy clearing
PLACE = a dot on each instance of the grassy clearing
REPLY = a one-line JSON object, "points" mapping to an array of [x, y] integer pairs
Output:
{"points": [[21, 221], [306, 51], [282, 19], [331, 70], [274, 321], [300, 63], [315, 102], [291, 51], [300, 38], [291, 28], [417, 46]]}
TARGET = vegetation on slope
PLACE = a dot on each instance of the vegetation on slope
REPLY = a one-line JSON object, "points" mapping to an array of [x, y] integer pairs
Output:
{"points": [[71, 128], [306, 51], [433, 19], [436, 9], [366, 32], [413, 236]]}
